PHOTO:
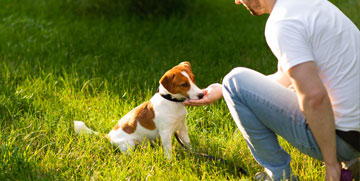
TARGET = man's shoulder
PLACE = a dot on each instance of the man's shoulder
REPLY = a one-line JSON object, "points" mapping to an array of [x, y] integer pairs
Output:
{"points": [[295, 10]]}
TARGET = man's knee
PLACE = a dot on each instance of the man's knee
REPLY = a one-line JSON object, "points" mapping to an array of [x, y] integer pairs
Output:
{"points": [[237, 77]]}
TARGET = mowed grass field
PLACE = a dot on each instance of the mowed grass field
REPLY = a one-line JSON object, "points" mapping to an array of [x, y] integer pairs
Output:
{"points": [[92, 61]]}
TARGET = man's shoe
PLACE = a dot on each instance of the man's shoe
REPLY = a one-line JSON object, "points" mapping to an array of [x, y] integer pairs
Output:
{"points": [[262, 176], [353, 166]]}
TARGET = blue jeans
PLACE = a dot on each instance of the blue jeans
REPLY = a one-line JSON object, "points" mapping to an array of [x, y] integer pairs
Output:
{"points": [[262, 109]]}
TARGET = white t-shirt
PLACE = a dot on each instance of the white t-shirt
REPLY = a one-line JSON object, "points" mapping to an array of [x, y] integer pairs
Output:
{"points": [[299, 31]]}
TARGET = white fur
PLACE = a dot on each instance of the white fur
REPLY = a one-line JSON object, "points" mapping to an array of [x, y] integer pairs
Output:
{"points": [[81, 128]]}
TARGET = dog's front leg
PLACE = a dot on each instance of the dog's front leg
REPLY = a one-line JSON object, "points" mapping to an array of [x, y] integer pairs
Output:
{"points": [[166, 142], [183, 134]]}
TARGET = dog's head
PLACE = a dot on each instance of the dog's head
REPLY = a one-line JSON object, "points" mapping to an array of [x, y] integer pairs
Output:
{"points": [[179, 82]]}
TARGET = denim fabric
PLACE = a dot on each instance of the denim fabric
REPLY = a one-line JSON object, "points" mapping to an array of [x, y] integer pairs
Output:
{"points": [[262, 109]]}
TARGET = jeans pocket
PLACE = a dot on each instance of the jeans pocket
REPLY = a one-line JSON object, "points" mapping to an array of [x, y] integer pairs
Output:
{"points": [[308, 144]]}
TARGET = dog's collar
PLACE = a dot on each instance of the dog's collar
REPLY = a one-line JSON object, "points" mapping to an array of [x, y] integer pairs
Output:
{"points": [[170, 98]]}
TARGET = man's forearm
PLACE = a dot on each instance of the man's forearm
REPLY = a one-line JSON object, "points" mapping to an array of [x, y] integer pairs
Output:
{"points": [[321, 120], [316, 106], [322, 124]]}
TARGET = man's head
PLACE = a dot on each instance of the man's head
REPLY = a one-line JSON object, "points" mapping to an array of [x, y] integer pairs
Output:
{"points": [[257, 7]]}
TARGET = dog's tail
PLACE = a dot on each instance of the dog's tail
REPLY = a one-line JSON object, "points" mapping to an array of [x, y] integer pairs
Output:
{"points": [[81, 128]]}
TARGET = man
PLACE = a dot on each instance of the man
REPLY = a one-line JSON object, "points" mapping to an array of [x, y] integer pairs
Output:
{"points": [[318, 52]]}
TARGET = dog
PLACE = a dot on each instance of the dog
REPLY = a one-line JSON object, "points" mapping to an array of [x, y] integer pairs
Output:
{"points": [[163, 115]]}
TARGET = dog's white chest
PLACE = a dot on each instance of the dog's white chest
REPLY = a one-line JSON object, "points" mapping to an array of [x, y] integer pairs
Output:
{"points": [[167, 113]]}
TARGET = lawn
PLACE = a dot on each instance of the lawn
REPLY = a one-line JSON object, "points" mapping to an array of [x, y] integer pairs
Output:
{"points": [[94, 60]]}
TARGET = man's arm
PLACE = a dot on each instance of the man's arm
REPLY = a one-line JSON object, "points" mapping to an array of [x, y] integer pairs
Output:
{"points": [[214, 91], [315, 104]]}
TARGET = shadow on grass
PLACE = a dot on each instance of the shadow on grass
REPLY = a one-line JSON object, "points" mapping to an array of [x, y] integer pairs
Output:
{"points": [[234, 167], [229, 168], [13, 106], [16, 166], [143, 9]]}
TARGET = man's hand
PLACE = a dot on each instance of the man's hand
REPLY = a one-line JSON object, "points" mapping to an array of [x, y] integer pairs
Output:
{"points": [[333, 172], [211, 94]]}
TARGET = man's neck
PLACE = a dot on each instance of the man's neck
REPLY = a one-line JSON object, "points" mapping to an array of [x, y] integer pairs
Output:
{"points": [[269, 5]]}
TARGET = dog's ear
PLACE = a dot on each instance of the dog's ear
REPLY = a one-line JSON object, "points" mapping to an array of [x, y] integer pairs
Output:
{"points": [[167, 81]]}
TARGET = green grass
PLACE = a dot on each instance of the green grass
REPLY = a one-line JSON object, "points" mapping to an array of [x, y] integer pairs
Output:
{"points": [[67, 60]]}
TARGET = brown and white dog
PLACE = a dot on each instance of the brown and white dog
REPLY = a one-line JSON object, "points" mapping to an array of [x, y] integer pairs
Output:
{"points": [[164, 114]]}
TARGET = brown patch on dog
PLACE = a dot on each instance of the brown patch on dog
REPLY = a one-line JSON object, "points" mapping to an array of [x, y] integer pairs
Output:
{"points": [[181, 85], [175, 82], [128, 123], [144, 114]]}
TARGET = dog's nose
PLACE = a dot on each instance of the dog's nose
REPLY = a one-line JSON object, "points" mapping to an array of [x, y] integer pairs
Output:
{"points": [[201, 95]]}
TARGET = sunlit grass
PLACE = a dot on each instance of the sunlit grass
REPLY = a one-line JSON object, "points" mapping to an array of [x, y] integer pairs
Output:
{"points": [[60, 62]]}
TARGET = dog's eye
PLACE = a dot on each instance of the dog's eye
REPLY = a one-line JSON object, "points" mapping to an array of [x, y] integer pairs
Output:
{"points": [[185, 84]]}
